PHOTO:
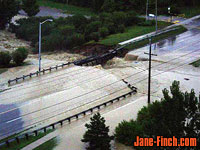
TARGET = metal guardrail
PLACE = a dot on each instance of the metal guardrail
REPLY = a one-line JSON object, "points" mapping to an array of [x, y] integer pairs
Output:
{"points": [[37, 73], [69, 119]]}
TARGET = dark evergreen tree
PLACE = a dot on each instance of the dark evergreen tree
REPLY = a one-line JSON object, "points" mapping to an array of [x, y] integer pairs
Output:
{"points": [[97, 134], [30, 7], [8, 9]]}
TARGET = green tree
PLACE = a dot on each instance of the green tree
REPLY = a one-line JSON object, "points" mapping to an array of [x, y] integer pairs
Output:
{"points": [[20, 55], [177, 114], [8, 9], [5, 58], [30, 7], [97, 134]]}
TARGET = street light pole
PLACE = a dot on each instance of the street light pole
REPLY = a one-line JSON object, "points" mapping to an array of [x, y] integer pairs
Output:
{"points": [[40, 39], [147, 6], [40, 35], [156, 16]]}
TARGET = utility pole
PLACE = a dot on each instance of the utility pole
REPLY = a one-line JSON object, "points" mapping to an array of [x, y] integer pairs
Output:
{"points": [[147, 6], [156, 16], [149, 80]]}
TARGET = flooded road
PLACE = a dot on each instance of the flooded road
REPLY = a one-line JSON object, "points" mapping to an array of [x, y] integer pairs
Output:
{"points": [[57, 95]]}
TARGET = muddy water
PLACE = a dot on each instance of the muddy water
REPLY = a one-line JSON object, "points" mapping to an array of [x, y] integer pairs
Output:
{"points": [[58, 95]]}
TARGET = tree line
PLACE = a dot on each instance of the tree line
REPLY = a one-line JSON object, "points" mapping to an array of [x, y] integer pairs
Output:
{"points": [[124, 5]]}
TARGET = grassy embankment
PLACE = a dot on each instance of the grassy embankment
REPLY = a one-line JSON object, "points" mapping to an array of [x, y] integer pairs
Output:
{"points": [[49, 145], [135, 31], [69, 9], [190, 11], [23, 142]]}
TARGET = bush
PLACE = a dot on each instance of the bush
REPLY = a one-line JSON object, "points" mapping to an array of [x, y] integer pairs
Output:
{"points": [[95, 36], [52, 42], [121, 28], [103, 32], [131, 18], [78, 20], [67, 29], [93, 27], [20, 55], [119, 18], [5, 58], [78, 39], [126, 132]]}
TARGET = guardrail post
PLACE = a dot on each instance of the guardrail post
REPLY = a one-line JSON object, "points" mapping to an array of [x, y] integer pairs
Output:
{"points": [[61, 123], [36, 133], [30, 75], [17, 139], [7, 143], [26, 136], [98, 107], [9, 82], [53, 126], [56, 67], [16, 80], [23, 77], [84, 113], [69, 119], [91, 110], [50, 69], [105, 104], [45, 129], [43, 71], [76, 116], [62, 65], [37, 73]]}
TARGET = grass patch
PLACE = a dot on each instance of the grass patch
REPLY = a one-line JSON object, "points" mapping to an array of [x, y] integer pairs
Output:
{"points": [[49, 145], [2, 70], [23, 142], [69, 9], [131, 32], [190, 11], [136, 45], [196, 63]]}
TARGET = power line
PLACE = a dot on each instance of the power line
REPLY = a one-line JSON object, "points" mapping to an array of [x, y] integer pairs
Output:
{"points": [[100, 88], [62, 113]]}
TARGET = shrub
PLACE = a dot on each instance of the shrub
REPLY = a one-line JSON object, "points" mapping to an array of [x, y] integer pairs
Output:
{"points": [[53, 42], [103, 32], [20, 55], [131, 18], [67, 29], [119, 17], [126, 132], [121, 28], [95, 36], [5, 58], [78, 39], [78, 20], [93, 27]]}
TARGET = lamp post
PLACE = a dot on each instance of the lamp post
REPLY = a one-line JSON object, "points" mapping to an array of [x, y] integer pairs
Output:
{"points": [[147, 6], [156, 16], [40, 38]]}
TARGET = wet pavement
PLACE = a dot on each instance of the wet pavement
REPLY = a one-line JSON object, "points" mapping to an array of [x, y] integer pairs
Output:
{"points": [[43, 99], [57, 95]]}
